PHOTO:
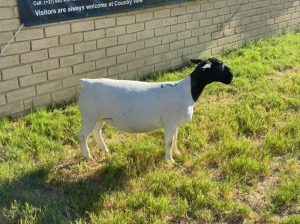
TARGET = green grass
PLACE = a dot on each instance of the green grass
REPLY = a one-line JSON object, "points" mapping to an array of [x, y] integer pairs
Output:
{"points": [[239, 156]]}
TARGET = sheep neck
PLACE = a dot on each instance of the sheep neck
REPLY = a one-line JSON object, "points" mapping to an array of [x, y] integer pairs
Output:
{"points": [[198, 83]]}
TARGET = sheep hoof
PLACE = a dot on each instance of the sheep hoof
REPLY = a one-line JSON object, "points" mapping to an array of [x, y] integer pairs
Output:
{"points": [[106, 152], [170, 160], [89, 157], [177, 153]]}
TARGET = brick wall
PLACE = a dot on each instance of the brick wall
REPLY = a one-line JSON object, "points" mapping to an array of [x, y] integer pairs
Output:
{"points": [[44, 63]]}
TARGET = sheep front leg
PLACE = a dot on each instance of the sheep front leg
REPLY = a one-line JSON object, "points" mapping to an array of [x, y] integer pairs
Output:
{"points": [[83, 134], [170, 136], [97, 133], [175, 149]]}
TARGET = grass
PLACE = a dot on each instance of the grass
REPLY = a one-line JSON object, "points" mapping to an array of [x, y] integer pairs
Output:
{"points": [[239, 162]]}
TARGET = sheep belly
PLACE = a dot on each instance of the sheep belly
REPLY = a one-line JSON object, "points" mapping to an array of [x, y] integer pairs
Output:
{"points": [[133, 124]]}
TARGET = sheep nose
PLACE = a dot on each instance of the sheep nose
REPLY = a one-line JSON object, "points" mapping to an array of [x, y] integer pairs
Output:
{"points": [[230, 78], [230, 74]]}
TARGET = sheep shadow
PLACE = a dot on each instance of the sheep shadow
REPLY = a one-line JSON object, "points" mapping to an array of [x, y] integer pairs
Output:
{"points": [[35, 198]]}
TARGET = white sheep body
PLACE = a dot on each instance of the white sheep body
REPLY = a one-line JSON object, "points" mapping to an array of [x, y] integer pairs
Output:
{"points": [[137, 107]]}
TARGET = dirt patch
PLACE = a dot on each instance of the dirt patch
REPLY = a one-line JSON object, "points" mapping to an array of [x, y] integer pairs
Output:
{"points": [[257, 198], [280, 74]]}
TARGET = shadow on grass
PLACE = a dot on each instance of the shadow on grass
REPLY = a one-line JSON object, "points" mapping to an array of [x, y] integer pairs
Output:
{"points": [[34, 199]]}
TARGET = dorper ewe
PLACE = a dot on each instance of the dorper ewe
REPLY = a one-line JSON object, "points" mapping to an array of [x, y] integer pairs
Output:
{"points": [[139, 107]]}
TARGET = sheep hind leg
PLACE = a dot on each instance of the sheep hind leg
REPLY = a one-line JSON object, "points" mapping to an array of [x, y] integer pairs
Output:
{"points": [[169, 141], [97, 133], [83, 134]]}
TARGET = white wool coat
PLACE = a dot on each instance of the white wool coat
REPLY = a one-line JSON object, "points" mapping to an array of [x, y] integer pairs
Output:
{"points": [[135, 106]]}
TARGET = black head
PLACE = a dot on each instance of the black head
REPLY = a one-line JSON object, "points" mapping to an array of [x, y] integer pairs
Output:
{"points": [[213, 70]]}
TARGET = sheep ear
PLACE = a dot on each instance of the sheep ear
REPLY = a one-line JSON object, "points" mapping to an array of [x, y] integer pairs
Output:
{"points": [[196, 61], [207, 65]]}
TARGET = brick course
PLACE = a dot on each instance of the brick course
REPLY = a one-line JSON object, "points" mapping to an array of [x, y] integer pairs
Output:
{"points": [[44, 63]]}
